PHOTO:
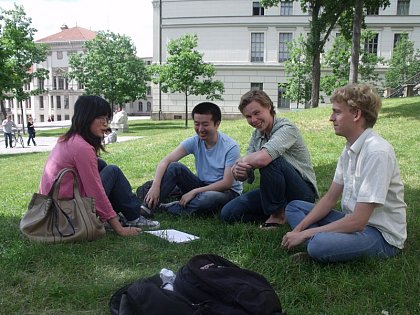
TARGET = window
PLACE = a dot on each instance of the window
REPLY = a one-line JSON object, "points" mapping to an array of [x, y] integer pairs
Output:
{"points": [[140, 106], [371, 44], [372, 10], [58, 117], [52, 102], [257, 47], [27, 86], [60, 83], [149, 90], [54, 83], [41, 118], [403, 7], [41, 102], [28, 103], [282, 102], [398, 37], [59, 55], [257, 86], [257, 9], [80, 86], [284, 40], [66, 117], [41, 84], [58, 102], [66, 102], [286, 8]]}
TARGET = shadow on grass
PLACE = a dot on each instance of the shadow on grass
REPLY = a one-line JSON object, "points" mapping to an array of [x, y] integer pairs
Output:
{"points": [[411, 109]]}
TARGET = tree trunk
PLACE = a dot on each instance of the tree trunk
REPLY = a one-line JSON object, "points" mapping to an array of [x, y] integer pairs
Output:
{"points": [[3, 109], [355, 48], [316, 79], [186, 109]]}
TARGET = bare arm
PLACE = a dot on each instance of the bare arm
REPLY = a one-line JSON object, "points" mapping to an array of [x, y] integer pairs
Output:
{"points": [[123, 231], [351, 223], [221, 185]]}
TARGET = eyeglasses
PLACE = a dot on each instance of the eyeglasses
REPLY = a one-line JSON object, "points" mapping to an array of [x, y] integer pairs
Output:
{"points": [[103, 119]]}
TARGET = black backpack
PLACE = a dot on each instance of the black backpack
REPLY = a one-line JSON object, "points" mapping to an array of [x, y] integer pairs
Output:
{"points": [[207, 285]]}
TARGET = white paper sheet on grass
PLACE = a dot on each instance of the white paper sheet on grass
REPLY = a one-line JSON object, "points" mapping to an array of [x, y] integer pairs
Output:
{"points": [[174, 236]]}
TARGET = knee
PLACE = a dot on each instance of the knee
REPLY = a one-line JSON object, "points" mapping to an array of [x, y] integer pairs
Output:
{"points": [[174, 168], [111, 169], [226, 214], [275, 165], [318, 247]]}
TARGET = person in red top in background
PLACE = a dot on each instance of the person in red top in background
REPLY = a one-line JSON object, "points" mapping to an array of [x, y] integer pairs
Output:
{"points": [[78, 149]]}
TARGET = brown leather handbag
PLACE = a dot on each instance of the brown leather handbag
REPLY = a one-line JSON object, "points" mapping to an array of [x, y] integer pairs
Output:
{"points": [[53, 220]]}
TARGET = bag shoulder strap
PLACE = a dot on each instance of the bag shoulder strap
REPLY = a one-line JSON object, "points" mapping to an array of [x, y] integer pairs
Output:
{"points": [[55, 189]]}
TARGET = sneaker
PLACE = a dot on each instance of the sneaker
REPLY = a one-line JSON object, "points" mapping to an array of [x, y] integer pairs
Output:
{"points": [[143, 223], [146, 211]]}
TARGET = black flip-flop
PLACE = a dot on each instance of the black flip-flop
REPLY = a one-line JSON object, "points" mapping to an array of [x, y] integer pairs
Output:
{"points": [[270, 225]]}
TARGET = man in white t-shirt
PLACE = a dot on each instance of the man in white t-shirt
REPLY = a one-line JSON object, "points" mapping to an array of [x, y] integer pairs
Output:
{"points": [[214, 152], [367, 177]]}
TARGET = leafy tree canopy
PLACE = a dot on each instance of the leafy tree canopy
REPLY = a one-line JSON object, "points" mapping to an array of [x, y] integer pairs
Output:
{"points": [[186, 72], [404, 63], [18, 54], [110, 68]]}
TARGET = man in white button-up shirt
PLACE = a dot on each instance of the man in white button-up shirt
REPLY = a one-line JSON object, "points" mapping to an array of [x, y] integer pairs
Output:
{"points": [[373, 217]]}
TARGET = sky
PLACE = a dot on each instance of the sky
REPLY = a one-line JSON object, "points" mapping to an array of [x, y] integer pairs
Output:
{"points": [[133, 18]]}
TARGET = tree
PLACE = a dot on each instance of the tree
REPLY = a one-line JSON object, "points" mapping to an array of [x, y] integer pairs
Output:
{"points": [[299, 68], [404, 63], [18, 54], [337, 59], [185, 72], [110, 68], [325, 15]]}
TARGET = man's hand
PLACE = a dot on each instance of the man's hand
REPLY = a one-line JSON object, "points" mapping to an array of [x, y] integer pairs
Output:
{"points": [[240, 170], [292, 239], [152, 197], [186, 198]]}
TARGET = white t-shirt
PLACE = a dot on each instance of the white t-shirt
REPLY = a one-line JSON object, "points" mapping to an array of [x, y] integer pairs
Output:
{"points": [[369, 172]]}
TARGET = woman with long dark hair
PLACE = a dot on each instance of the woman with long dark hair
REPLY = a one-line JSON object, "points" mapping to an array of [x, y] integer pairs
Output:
{"points": [[79, 148]]}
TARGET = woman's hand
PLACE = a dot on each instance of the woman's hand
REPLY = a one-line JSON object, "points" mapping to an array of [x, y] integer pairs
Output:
{"points": [[129, 231], [123, 231]]}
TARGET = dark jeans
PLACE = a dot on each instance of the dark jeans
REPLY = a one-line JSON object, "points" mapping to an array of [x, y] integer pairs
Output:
{"points": [[31, 135], [8, 139], [177, 174], [118, 190], [280, 183]]}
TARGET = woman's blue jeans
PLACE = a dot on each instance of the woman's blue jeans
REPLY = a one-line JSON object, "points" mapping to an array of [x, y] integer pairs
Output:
{"points": [[118, 190], [280, 183], [339, 247], [177, 174]]}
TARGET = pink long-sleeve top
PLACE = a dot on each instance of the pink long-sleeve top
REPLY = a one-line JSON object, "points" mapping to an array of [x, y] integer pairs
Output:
{"points": [[76, 153]]}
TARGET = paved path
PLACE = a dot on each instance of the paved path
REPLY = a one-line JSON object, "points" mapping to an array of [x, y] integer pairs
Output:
{"points": [[44, 144]]}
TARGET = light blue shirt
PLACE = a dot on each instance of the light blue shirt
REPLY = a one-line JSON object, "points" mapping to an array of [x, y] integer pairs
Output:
{"points": [[210, 163]]}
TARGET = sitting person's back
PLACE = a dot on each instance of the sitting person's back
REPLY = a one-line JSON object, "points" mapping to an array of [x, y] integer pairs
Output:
{"points": [[110, 136]]}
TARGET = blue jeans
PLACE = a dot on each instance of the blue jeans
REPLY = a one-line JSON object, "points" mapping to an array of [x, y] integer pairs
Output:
{"points": [[118, 190], [339, 247], [280, 183], [177, 174], [8, 139]]}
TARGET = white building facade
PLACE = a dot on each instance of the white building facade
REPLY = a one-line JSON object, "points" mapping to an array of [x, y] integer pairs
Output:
{"points": [[247, 44], [57, 102]]}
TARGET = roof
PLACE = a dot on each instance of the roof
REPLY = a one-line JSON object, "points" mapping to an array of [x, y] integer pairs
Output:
{"points": [[69, 34]]}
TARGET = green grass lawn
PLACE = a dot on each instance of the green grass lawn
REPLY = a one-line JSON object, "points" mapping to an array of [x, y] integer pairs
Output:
{"points": [[80, 278]]}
